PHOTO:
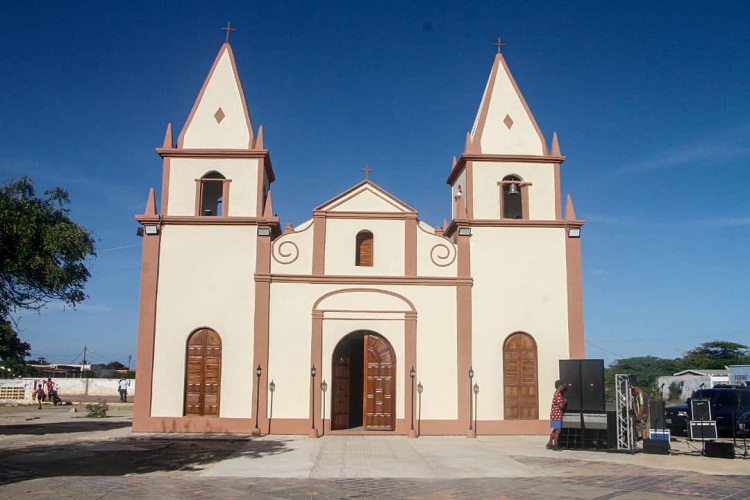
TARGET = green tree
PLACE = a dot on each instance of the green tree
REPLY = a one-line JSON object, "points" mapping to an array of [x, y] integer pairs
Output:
{"points": [[43, 256], [646, 369], [715, 355]]}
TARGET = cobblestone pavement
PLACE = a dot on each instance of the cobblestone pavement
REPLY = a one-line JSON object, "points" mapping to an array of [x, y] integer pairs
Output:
{"points": [[61, 454]]}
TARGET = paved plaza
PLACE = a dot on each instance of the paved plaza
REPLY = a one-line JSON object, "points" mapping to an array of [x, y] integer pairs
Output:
{"points": [[59, 453]]}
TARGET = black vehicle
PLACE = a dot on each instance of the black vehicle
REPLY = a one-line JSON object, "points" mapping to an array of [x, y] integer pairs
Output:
{"points": [[676, 417], [728, 404]]}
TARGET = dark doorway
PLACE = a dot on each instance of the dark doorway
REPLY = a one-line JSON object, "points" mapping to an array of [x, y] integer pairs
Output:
{"points": [[363, 383]]}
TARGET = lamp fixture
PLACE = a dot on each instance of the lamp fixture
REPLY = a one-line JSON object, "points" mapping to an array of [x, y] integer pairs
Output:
{"points": [[151, 230], [464, 231], [264, 231], [574, 232]]}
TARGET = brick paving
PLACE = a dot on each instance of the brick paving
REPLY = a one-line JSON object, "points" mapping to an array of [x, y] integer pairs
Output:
{"points": [[61, 454]]}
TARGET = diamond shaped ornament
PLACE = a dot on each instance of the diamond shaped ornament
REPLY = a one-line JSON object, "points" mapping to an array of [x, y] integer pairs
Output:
{"points": [[219, 115], [508, 121]]}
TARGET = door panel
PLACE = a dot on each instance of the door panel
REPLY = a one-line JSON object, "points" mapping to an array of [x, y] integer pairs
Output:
{"points": [[341, 392], [203, 374], [379, 384], [521, 399]]}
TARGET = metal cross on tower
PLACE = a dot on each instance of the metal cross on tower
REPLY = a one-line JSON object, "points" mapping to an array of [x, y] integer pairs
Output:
{"points": [[499, 45], [229, 29]]}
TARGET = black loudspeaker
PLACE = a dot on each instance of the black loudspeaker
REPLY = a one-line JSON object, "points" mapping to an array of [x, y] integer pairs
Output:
{"points": [[656, 414], [570, 374], [656, 446], [717, 449], [703, 429], [700, 409], [592, 384]]}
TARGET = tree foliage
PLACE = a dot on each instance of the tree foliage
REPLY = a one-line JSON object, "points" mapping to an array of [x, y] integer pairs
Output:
{"points": [[646, 369], [716, 355], [43, 254]]}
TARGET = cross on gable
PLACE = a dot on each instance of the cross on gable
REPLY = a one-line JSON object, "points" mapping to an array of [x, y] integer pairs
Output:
{"points": [[499, 45], [228, 29], [367, 171]]}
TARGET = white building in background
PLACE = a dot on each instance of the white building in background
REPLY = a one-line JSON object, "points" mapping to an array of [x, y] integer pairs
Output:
{"points": [[363, 295]]}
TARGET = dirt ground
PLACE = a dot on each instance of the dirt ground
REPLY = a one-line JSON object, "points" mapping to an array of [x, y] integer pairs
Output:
{"points": [[62, 441]]}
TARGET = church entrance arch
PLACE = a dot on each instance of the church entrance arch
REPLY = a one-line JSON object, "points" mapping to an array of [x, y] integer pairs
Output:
{"points": [[363, 392], [203, 374]]}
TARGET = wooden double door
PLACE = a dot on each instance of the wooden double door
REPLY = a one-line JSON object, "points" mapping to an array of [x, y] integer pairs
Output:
{"points": [[203, 374], [521, 399], [363, 392]]}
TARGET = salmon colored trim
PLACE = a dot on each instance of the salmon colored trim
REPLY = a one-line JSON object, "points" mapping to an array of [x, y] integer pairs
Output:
{"points": [[464, 330], [469, 190], [228, 49], [476, 138], [261, 328], [525, 193], [165, 175], [356, 290], [259, 192], [366, 215], [493, 158], [341, 198], [319, 245], [221, 154], [194, 424], [225, 197], [365, 280], [293, 253], [182, 220], [576, 339], [410, 248], [523, 102], [410, 360], [453, 226], [198, 196], [316, 360], [146, 331]]}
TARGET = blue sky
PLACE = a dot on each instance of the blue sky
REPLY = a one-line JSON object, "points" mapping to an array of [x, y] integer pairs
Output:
{"points": [[649, 100]]}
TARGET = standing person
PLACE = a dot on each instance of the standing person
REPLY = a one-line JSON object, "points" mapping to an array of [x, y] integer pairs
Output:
{"points": [[640, 409], [51, 391], [555, 416], [40, 395], [122, 388]]}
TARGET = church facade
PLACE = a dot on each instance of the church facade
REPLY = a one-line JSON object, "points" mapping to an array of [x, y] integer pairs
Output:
{"points": [[363, 319]]}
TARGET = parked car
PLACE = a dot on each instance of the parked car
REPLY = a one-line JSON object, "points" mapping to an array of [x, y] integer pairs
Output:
{"points": [[743, 424], [676, 418], [727, 402]]}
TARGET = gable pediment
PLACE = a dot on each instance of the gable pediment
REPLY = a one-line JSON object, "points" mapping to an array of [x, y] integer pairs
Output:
{"points": [[366, 197]]}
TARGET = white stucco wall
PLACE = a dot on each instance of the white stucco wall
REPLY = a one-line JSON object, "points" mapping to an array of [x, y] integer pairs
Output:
{"points": [[205, 280], [222, 91], [497, 138], [292, 253], [487, 192], [522, 286], [388, 251], [436, 255], [290, 345], [243, 193]]}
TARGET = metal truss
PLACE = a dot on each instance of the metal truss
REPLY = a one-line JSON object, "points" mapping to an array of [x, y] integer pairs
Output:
{"points": [[624, 397]]}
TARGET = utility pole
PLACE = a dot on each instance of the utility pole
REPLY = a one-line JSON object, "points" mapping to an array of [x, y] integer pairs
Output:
{"points": [[127, 374], [85, 349]]}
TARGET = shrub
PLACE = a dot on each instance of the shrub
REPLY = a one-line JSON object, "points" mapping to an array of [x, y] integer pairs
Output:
{"points": [[97, 410]]}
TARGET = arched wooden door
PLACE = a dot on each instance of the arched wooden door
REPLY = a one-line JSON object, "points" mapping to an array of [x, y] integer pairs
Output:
{"points": [[521, 394], [379, 384], [363, 393], [203, 374]]}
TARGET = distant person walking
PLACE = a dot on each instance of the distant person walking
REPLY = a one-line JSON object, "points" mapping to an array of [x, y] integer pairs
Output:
{"points": [[40, 395], [122, 388], [52, 391], [555, 416]]}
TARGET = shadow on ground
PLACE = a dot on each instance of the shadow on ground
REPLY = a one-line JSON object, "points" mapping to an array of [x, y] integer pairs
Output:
{"points": [[132, 455], [82, 425]]}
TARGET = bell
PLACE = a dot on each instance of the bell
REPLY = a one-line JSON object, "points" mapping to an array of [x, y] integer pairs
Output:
{"points": [[513, 189]]}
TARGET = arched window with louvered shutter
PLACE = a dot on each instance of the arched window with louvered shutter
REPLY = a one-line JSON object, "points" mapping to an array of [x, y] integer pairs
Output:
{"points": [[364, 252]]}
